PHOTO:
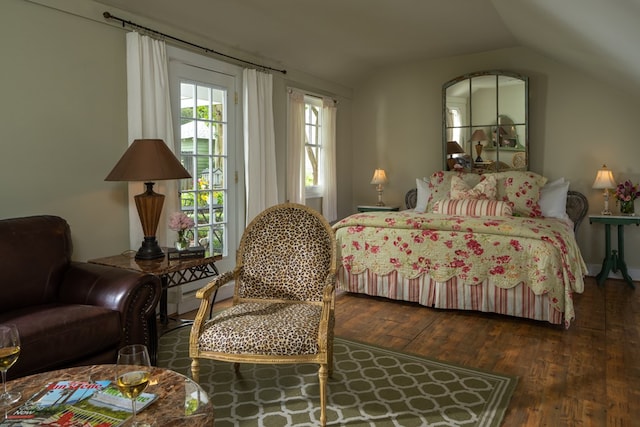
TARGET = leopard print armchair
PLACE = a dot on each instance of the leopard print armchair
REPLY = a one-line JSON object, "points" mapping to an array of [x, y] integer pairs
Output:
{"points": [[284, 297]]}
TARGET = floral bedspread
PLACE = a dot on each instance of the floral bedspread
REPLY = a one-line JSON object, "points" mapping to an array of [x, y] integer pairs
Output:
{"points": [[541, 252]]}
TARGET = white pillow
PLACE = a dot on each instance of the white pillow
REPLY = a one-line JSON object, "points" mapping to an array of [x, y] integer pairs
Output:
{"points": [[424, 193], [553, 199]]}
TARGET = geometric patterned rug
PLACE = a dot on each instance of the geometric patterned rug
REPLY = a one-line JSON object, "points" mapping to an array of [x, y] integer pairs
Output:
{"points": [[371, 386]]}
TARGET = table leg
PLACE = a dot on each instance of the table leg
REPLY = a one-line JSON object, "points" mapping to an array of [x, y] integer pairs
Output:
{"points": [[622, 265], [608, 257]]}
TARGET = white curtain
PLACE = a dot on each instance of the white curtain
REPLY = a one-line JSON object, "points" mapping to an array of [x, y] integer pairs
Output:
{"points": [[328, 170], [295, 154], [149, 116], [259, 142]]}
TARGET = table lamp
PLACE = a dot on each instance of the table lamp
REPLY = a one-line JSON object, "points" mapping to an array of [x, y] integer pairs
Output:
{"points": [[604, 181], [453, 148], [379, 179], [148, 160], [478, 136]]}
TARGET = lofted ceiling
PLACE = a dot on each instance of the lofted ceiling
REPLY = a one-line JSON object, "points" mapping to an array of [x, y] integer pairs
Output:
{"points": [[343, 40]]}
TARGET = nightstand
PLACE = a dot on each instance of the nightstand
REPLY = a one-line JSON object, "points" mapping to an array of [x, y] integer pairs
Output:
{"points": [[614, 260], [374, 208]]}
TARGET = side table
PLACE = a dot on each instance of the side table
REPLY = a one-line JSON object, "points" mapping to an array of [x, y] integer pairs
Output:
{"points": [[374, 208], [171, 273], [614, 260]]}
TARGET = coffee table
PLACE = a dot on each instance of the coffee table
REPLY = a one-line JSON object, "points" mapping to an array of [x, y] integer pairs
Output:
{"points": [[172, 389]]}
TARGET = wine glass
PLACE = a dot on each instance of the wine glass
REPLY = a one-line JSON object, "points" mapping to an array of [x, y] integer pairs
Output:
{"points": [[133, 370], [9, 352]]}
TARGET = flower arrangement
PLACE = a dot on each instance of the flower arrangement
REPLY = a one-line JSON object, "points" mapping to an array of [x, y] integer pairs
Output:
{"points": [[181, 223], [626, 193]]}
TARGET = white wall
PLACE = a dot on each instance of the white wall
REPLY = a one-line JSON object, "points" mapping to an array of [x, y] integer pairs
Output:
{"points": [[64, 118], [576, 124]]}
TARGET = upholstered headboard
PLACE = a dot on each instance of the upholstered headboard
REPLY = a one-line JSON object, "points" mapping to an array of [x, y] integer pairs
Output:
{"points": [[577, 205]]}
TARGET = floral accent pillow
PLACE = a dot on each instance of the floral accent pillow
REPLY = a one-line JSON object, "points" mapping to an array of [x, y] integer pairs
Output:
{"points": [[473, 207], [440, 185], [485, 189], [522, 190]]}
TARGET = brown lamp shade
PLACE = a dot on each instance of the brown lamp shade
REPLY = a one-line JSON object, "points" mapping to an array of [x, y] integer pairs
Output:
{"points": [[454, 148], [147, 160]]}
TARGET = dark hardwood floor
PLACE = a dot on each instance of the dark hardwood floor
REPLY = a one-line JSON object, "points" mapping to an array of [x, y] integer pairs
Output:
{"points": [[587, 375]]}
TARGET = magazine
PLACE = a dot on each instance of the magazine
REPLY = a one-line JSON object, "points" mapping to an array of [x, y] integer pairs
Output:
{"points": [[72, 403]]}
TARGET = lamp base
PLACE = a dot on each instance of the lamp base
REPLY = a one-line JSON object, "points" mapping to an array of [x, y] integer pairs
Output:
{"points": [[149, 249]]}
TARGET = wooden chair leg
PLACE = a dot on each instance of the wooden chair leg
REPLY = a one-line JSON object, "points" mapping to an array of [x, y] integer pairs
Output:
{"points": [[195, 370], [322, 375], [330, 358]]}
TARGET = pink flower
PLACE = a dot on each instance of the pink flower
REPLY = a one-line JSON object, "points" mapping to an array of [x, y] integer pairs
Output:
{"points": [[626, 191], [179, 221]]}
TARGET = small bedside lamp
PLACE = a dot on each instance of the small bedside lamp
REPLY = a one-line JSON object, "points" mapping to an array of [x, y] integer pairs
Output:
{"points": [[379, 179], [604, 181]]}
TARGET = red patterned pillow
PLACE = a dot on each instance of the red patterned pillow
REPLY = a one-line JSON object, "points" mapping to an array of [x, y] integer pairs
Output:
{"points": [[440, 185], [473, 207], [522, 190], [485, 189]]}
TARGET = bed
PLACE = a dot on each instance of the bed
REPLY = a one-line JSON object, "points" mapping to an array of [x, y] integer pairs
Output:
{"points": [[502, 244]]}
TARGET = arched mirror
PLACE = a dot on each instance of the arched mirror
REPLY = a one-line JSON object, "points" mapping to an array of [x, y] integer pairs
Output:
{"points": [[485, 118]]}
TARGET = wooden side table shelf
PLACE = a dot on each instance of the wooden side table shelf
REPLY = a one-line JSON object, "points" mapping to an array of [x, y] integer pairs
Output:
{"points": [[374, 208], [614, 260]]}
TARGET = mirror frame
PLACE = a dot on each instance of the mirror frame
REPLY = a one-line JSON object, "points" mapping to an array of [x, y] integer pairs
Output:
{"points": [[518, 143]]}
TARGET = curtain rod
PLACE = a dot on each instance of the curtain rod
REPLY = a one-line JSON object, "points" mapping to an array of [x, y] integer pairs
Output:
{"points": [[107, 15]]}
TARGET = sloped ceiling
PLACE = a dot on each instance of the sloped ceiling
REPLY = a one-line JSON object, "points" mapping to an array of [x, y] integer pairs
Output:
{"points": [[343, 40]]}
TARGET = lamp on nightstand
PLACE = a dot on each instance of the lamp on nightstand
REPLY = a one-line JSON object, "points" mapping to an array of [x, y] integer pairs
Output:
{"points": [[379, 179], [604, 181]]}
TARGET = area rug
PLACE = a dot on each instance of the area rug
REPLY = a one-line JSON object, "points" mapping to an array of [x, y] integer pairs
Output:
{"points": [[371, 386]]}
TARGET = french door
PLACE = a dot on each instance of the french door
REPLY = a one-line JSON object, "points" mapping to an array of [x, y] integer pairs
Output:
{"points": [[206, 119]]}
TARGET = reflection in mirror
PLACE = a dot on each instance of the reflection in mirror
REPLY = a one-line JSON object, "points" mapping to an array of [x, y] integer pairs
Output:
{"points": [[486, 113]]}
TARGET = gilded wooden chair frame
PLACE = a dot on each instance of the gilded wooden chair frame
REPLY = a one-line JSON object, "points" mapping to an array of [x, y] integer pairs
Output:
{"points": [[324, 355]]}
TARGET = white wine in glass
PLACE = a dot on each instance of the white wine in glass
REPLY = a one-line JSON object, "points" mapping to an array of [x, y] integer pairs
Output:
{"points": [[9, 352], [133, 370]]}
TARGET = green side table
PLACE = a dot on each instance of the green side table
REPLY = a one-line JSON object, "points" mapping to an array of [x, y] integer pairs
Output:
{"points": [[614, 261], [374, 208]]}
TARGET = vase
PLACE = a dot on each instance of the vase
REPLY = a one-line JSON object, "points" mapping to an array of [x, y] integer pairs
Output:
{"points": [[627, 207], [182, 243]]}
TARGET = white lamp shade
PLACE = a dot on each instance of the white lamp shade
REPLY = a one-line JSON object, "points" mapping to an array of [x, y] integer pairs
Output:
{"points": [[604, 179], [379, 177]]}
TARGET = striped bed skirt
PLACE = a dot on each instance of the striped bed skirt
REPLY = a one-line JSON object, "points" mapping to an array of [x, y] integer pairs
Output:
{"points": [[519, 301]]}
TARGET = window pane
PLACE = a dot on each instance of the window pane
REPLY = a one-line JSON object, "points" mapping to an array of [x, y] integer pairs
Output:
{"points": [[203, 153]]}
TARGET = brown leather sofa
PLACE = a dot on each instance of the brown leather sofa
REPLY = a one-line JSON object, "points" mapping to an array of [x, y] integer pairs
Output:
{"points": [[68, 313]]}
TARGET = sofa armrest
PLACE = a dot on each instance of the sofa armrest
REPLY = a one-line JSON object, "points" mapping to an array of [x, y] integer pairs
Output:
{"points": [[135, 295]]}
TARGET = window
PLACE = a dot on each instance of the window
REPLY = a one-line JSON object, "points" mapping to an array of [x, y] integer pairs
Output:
{"points": [[204, 154], [312, 145]]}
